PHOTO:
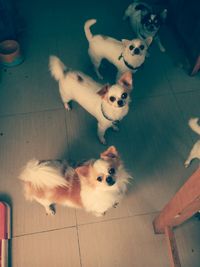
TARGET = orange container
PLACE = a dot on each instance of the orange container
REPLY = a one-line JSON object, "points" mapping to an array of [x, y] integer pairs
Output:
{"points": [[10, 54]]}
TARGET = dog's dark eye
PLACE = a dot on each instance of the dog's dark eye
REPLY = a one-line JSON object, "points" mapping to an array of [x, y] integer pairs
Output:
{"points": [[111, 171], [142, 47], [99, 179], [112, 98], [124, 95], [131, 47]]}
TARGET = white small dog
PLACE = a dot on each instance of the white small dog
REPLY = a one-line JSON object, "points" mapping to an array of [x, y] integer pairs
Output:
{"points": [[128, 55], [195, 152], [96, 185], [108, 104]]}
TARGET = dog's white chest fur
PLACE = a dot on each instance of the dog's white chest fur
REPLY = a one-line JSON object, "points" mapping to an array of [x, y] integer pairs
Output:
{"points": [[98, 201]]}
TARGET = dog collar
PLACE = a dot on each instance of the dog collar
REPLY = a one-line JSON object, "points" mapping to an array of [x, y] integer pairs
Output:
{"points": [[127, 64], [108, 118]]}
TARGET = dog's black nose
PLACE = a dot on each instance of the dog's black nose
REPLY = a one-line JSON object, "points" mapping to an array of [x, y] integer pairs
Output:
{"points": [[120, 103], [151, 28], [110, 181], [136, 51]]}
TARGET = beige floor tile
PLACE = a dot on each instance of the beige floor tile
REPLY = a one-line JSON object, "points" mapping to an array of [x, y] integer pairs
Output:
{"points": [[28, 88], [124, 242], [188, 103], [38, 135], [151, 79], [187, 237], [82, 134], [52, 249]]}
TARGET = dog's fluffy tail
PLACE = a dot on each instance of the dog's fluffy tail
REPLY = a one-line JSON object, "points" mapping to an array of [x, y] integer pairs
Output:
{"points": [[41, 175], [56, 67], [193, 123], [87, 26]]}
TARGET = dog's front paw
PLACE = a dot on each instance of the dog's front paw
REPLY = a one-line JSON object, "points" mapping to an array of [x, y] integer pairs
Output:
{"points": [[67, 106], [102, 140], [186, 164], [51, 210], [116, 204], [115, 128], [100, 214], [162, 49]]}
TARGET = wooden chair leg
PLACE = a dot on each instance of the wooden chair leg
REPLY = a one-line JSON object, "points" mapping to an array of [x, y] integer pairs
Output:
{"points": [[182, 206], [172, 247], [196, 66]]}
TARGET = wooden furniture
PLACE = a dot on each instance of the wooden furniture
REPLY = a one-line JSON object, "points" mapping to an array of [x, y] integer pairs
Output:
{"points": [[185, 19], [184, 204]]}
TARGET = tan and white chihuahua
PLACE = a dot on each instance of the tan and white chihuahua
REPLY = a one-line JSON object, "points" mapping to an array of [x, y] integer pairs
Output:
{"points": [[108, 104], [126, 55], [96, 185]]}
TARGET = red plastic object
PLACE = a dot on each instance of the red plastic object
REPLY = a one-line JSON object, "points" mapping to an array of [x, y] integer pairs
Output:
{"points": [[4, 233]]}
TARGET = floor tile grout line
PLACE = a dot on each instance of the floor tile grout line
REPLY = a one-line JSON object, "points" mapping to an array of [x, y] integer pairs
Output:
{"points": [[66, 131], [186, 92], [78, 240], [83, 224], [29, 113], [175, 94], [168, 80], [119, 218], [45, 231]]}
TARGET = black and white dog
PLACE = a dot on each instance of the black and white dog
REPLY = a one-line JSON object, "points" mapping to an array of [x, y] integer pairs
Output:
{"points": [[145, 21]]}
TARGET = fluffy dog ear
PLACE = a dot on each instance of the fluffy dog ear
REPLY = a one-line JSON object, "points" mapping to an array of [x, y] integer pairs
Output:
{"points": [[103, 90], [163, 15], [126, 80], [125, 42], [148, 40], [83, 170], [110, 153]]}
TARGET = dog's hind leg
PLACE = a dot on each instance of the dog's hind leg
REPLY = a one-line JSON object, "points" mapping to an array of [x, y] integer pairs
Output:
{"points": [[188, 160], [194, 153], [96, 61], [65, 101], [101, 132], [49, 207], [158, 41], [67, 106]]}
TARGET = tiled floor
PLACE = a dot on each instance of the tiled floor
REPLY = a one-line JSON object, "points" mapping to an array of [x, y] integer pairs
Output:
{"points": [[154, 140]]}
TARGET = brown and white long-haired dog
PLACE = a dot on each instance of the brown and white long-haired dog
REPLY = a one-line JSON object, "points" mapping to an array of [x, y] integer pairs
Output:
{"points": [[96, 185]]}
